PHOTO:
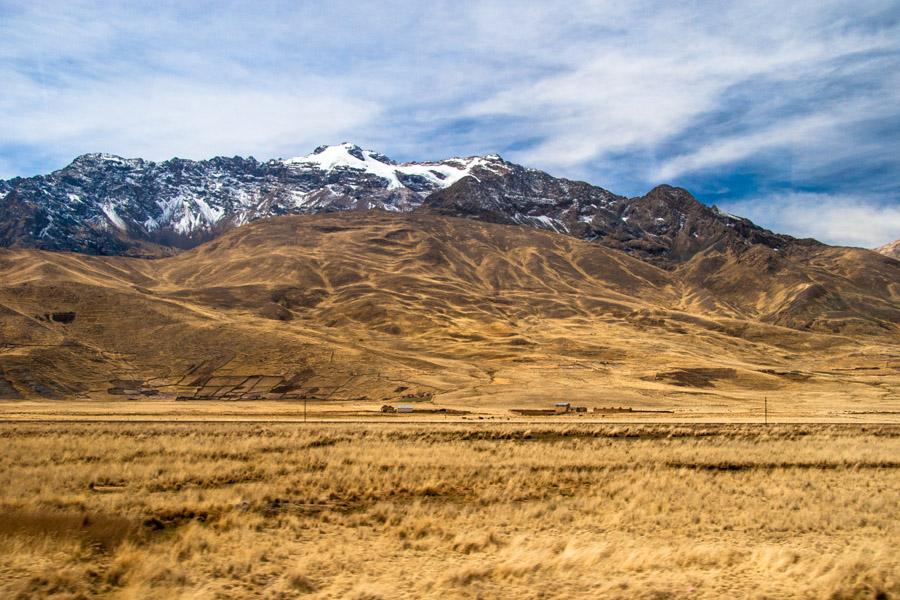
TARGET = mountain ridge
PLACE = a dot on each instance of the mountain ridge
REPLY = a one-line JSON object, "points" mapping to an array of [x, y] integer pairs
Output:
{"points": [[104, 204]]}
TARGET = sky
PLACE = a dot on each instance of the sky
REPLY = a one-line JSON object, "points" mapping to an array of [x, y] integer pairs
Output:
{"points": [[787, 113]]}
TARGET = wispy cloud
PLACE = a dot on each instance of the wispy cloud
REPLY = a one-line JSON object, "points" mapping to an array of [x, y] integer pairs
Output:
{"points": [[795, 134], [834, 219], [736, 96], [161, 116]]}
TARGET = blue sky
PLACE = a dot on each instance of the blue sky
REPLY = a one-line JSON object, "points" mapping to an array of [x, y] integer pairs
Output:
{"points": [[785, 112]]}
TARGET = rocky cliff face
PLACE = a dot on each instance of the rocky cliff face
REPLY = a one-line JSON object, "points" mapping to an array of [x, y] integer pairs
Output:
{"points": [[104, 204], [666, 226]]}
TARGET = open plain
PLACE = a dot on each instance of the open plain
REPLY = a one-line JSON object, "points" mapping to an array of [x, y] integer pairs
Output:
{"points": [[361, 405], [456, 510]]}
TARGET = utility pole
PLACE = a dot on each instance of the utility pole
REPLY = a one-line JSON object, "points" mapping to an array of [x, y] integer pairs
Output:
{"points": [[766, 404], [304, 408]]}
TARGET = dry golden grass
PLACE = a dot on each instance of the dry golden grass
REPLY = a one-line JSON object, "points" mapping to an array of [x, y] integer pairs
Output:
{"points": [[223, 510]]}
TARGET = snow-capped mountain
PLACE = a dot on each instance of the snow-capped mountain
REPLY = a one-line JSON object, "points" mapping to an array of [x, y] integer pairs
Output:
{"points": [[105, 204]]}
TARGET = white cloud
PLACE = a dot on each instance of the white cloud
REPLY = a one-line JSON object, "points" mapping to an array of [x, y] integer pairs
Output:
{"points": [[841, 220], [160, 117], [7, 171], [565, 86], [793, 133], [667, 68]]}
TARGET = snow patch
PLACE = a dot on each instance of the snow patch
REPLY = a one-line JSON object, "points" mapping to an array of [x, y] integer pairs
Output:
{"points": [[439, 174], [114, 218], [722, 213], [550, 223], [346, 156], [187, 223], [212, 215], [47, 227]]}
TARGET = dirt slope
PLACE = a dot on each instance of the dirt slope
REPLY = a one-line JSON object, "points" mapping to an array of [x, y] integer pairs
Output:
{"points": [[377, 306]]}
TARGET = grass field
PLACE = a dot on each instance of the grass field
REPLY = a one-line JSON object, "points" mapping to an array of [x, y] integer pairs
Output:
{"points": [[456, 510]]}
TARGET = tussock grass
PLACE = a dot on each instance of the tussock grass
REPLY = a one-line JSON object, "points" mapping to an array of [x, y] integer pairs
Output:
{"points": [[457, 511]]}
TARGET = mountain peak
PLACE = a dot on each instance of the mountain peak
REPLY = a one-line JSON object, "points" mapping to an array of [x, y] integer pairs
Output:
{"points": [[672, 194], [94, 158], [349, 149], [346, 155], [421, 177]]}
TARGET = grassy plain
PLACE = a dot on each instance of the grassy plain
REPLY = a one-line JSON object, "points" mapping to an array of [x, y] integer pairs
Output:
{"points": [[452, 510]]}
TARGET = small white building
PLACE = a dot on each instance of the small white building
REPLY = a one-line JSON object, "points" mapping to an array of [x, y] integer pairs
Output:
{"points": [[404, 409]]}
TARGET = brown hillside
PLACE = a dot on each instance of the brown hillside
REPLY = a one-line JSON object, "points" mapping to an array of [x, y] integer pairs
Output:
{"points": [[891, 249], [378, 306]]}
